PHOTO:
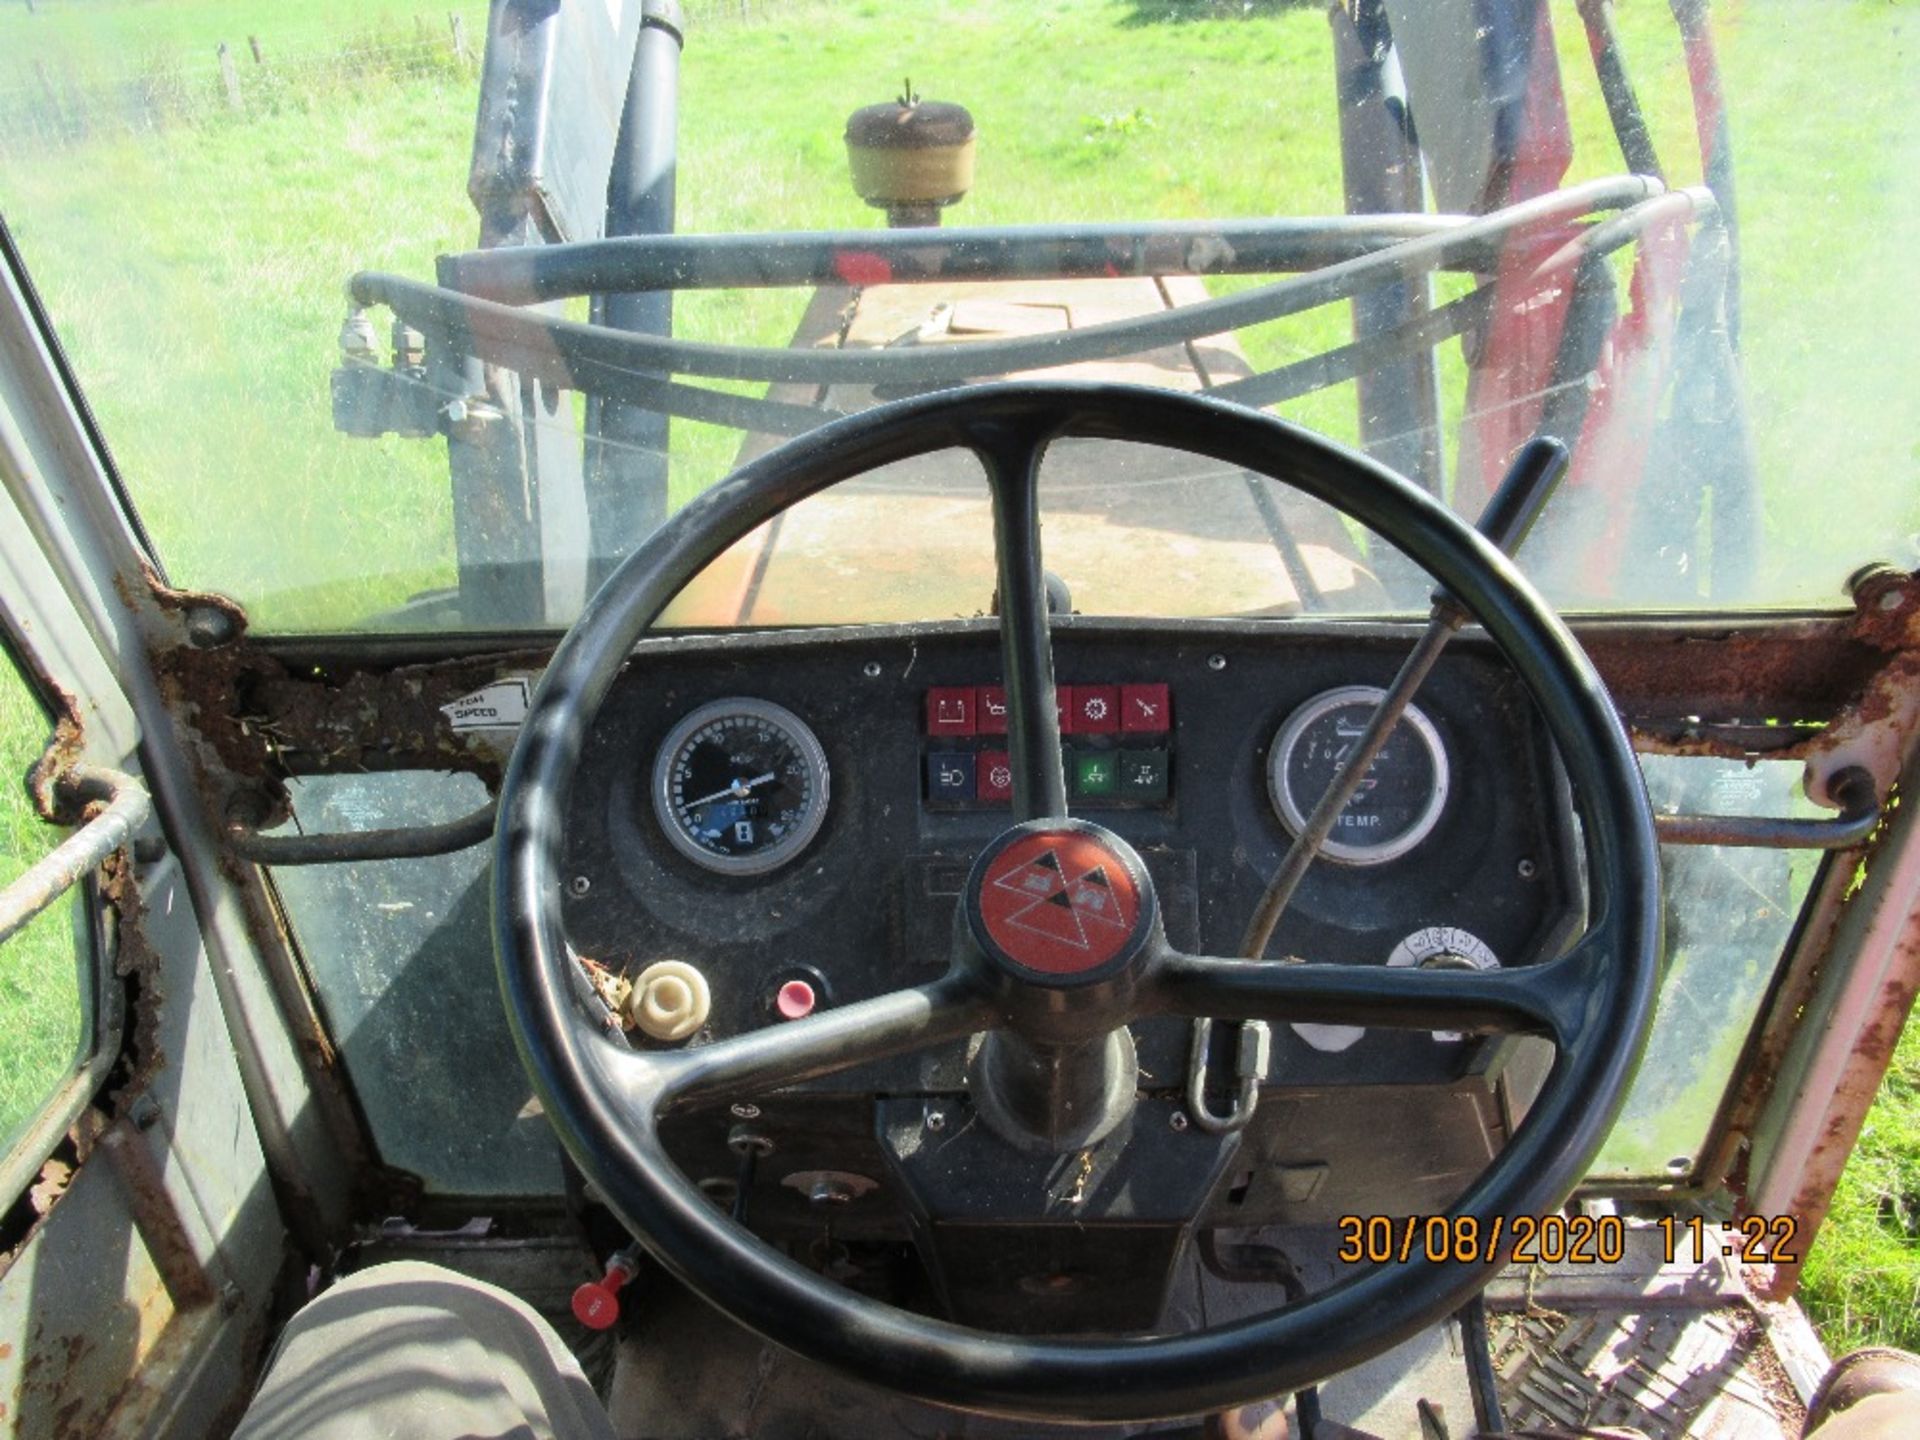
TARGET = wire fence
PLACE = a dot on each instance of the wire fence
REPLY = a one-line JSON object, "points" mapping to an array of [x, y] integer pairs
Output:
{"points": [[68, 101], [46, 103]]}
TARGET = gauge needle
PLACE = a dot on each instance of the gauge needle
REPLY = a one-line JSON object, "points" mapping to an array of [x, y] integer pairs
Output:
{"points": [[739, 789]]}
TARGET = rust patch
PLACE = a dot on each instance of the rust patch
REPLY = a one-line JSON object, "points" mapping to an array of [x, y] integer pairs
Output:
{"points": [[355, 719], [55, 1176], [1887, 610], [158, 1219], [1830, 692], [255, 721], [53, 1370], [61, 755], [252, 720], [139, 966]]}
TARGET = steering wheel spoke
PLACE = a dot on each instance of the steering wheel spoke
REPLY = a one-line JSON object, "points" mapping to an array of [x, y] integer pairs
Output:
{"points": [[1011, 455], [1547, 999], [793, 1051]]}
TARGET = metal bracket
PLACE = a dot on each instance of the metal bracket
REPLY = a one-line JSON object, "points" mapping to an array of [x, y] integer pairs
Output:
{"points": [[1249, 1069]]}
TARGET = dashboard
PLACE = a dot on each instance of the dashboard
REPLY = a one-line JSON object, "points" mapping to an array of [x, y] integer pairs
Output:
{"points": [[791, 815]]}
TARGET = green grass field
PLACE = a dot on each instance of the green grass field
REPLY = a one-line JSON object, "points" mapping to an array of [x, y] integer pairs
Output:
{"points": [[196, 270], [41, 1011]]}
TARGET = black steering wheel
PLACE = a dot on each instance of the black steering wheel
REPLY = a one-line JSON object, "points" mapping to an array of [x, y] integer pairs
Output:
{"points": [[1595, 1002]]}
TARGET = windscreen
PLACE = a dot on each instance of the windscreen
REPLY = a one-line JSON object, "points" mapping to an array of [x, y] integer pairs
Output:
{"points": [[378, 343]]}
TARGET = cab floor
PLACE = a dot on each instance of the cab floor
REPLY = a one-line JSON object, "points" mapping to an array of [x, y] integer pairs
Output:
{"points": [[1673, 1349]]}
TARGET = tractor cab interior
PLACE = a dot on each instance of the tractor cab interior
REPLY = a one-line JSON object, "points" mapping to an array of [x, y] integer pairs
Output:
{"points": [[961, 803]]}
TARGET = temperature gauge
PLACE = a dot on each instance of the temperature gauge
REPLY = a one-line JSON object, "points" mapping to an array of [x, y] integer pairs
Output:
{"points": [[740, 786], [1398, 803]]}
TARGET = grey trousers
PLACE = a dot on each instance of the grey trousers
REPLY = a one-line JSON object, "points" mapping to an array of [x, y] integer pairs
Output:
{"points": [[415, 1351]]}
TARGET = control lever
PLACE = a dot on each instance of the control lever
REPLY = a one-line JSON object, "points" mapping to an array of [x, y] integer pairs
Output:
{"points": [[596, 1304], [1529, 483]]}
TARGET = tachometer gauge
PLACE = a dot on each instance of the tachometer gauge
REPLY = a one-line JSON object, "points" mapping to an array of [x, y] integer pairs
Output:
{"points": [[1398, 803], [740, 786]]}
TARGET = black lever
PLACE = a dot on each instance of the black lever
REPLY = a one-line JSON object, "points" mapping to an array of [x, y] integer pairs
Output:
{"points": [[1522, 494]]}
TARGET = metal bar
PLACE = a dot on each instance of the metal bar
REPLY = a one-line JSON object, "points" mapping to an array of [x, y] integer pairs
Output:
{"points": [[156, 1214], [823, 1044], [38, 1136], [1349, 362], [556, 350], [1012, 461], [1531, 1000], [1858, 818], [1478, 1345], [1616, 88], [1841, 1044], [626, 456], [1016, 252], [353, 846], [80, 853], [1380, 163], [1509, 515], [696, 402], [1710, 125]]}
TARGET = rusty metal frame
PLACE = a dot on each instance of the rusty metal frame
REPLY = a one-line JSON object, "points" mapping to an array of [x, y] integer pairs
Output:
{"points": [[1834, 1044]]}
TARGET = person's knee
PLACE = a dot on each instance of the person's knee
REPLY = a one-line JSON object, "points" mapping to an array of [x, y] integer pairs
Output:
{"points": [[1877, 1417], [413, 1349]]}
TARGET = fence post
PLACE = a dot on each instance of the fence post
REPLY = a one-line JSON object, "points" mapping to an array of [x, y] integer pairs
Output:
{"points": [[56, 112], [229, 76], [259, 55], [458, 24]]}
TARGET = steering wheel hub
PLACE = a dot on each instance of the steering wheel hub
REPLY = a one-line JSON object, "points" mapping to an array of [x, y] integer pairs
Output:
{"points": [[1059, 904]]}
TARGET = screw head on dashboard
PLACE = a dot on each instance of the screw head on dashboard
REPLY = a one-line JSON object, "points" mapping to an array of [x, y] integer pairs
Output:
{"points": [[871, 669], [578, 886], [936, 1120], [1527, 869], [1216, 662], [1178, 1120], [744, 1111]]}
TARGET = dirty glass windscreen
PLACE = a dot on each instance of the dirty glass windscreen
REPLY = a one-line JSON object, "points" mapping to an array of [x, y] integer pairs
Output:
{"points": [[328, 294]]}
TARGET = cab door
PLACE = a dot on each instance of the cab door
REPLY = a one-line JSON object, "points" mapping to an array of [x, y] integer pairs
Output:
{"points": [[139, 1064]]}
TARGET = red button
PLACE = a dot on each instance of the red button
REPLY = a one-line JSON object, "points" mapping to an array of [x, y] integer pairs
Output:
{"points": [[950, 710], [1063, 705], [993, 710], [1145, 710], [1096, 709], [994, 778], [795, 1000]]}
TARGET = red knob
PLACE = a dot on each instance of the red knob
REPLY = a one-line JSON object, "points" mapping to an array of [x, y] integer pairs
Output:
{"points": [[795, 1000], [596, 1304]]}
